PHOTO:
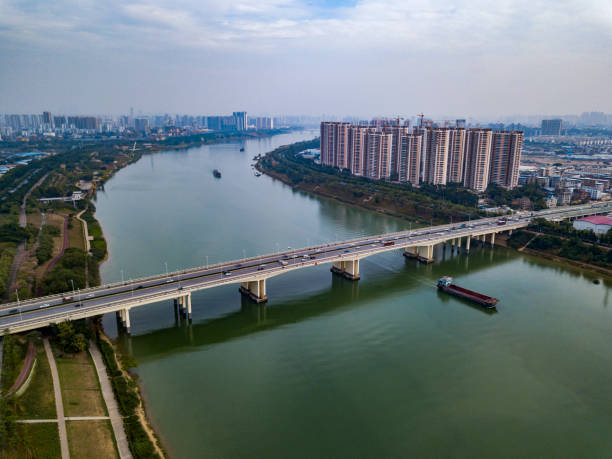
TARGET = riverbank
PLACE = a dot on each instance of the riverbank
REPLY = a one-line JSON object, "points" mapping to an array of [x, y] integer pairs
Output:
{"points": [[422, 204]]}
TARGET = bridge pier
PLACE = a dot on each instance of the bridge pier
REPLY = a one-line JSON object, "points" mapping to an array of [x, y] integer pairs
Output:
{"points": [[255, 290], [492, 239], [467, 244], [348, 269], [423, 253], [123, 319]]}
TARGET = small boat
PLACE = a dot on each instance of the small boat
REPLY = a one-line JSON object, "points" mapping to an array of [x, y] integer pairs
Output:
{"points": [[446, 285], [257, 174], [216, 173], [242, 149]]}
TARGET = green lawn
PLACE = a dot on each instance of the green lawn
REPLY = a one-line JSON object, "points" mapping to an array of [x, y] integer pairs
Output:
{"points": [[38, 401], [40, 441]]}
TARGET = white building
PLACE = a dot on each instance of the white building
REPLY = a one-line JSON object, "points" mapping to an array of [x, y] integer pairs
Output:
{"points": [[597, 223]]}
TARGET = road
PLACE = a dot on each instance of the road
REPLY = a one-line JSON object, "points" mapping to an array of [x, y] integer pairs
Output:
{"points": [[113, 297]]}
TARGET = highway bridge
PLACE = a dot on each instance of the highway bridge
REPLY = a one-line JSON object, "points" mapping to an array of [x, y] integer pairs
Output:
{"points": [[251, 273]]}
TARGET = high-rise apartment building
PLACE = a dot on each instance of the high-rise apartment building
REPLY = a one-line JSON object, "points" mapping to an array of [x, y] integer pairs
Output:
{"points": [[436, 156], [378, 154], [357, 146], [477, 159], [551, 127], [456, 155], [47, 120], [334, 144], [474, 157], [506, 149], [240, 121], [409, 160]]}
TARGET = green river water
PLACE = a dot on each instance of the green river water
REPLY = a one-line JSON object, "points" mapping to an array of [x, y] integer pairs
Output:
{"points": [[383, 367]]}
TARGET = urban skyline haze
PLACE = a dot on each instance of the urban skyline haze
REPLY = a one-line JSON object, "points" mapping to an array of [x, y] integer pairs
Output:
{"points": [[315, 57]]}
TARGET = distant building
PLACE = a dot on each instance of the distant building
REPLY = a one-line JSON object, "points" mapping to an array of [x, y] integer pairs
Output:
{"points": [[551, 127], [551, 201], [599, 224], [240, 120], [141, 124], [264, 122]]}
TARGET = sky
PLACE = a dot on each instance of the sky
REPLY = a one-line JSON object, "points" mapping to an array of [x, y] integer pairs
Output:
{"points": [[477, 58]]}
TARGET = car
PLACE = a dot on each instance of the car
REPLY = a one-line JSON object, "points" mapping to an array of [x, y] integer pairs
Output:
{"points": [[283, 263], [285, 256], [66, 299], [78, 305], [140, 286], [238, 265], [260, 267], [312, 257], [13, 311], [169, 280], [46, 305], [374, 245], [396, 238], [346, 250], [227, 273], [91, 295]]}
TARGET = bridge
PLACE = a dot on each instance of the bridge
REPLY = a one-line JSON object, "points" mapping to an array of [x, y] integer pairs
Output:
{"points": [[251, 273]]}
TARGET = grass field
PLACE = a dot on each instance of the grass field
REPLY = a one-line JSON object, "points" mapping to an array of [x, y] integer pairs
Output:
{"points": [[75, 235], [14, 348], [38, 401], [34, 441], [80, 387], [89, 439]]}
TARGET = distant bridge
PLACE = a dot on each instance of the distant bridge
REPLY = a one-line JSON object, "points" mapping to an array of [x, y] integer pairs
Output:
{"points": [[252, 273]]}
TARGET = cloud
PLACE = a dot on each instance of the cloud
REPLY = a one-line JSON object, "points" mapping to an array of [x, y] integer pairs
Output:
{"points": [[276, 24], [352, 55]]}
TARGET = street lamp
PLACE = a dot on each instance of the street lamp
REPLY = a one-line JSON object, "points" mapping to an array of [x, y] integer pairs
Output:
{"points": [[72, 282], [166, 263], [18, 307], [122, 281], [206, 261]]}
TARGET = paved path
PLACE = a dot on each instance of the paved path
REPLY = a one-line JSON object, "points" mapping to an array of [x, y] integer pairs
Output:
{"points": [[25, 369], [72, 418], [59, 404], [85, 230], [111, 403]]}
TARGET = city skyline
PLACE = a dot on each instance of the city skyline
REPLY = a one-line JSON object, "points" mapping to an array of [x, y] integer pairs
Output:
{"points": [[294, 56]]}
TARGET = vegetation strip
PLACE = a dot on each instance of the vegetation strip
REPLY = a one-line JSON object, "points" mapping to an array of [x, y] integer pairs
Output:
{"points": [[129, 401], [25, 370]]}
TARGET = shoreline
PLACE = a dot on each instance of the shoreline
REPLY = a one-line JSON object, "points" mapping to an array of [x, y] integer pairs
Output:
{"points": [[379, 210], [144, 417]]}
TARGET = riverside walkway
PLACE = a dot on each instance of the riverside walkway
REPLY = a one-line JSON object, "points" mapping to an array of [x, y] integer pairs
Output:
{"points": [[251, 273]]}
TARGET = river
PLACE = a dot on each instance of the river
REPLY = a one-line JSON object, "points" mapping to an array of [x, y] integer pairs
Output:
{"points": [[383, 367]]}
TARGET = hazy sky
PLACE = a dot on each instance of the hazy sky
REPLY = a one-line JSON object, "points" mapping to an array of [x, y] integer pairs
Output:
{"points": [[359, 57]]}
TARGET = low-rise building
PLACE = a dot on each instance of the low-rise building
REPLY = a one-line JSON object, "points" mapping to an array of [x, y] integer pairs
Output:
{"points": [[599, 224]]}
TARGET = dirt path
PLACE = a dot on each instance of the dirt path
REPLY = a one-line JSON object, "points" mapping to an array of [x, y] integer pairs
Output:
{"points": [[55, 259], [59, 404], [25, 369]]}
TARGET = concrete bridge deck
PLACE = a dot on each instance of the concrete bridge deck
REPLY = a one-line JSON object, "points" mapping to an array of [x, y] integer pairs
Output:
{"points": [[251, 273]]}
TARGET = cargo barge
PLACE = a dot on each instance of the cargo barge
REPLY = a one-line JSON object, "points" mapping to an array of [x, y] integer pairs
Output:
{"points": [[446, 285]]}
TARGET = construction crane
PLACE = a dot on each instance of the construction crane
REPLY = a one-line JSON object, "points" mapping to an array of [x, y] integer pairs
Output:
{"points": [[420, 116]]}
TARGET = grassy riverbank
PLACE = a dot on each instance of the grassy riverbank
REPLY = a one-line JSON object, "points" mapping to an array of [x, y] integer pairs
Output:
{"points": [[427, 204]]}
